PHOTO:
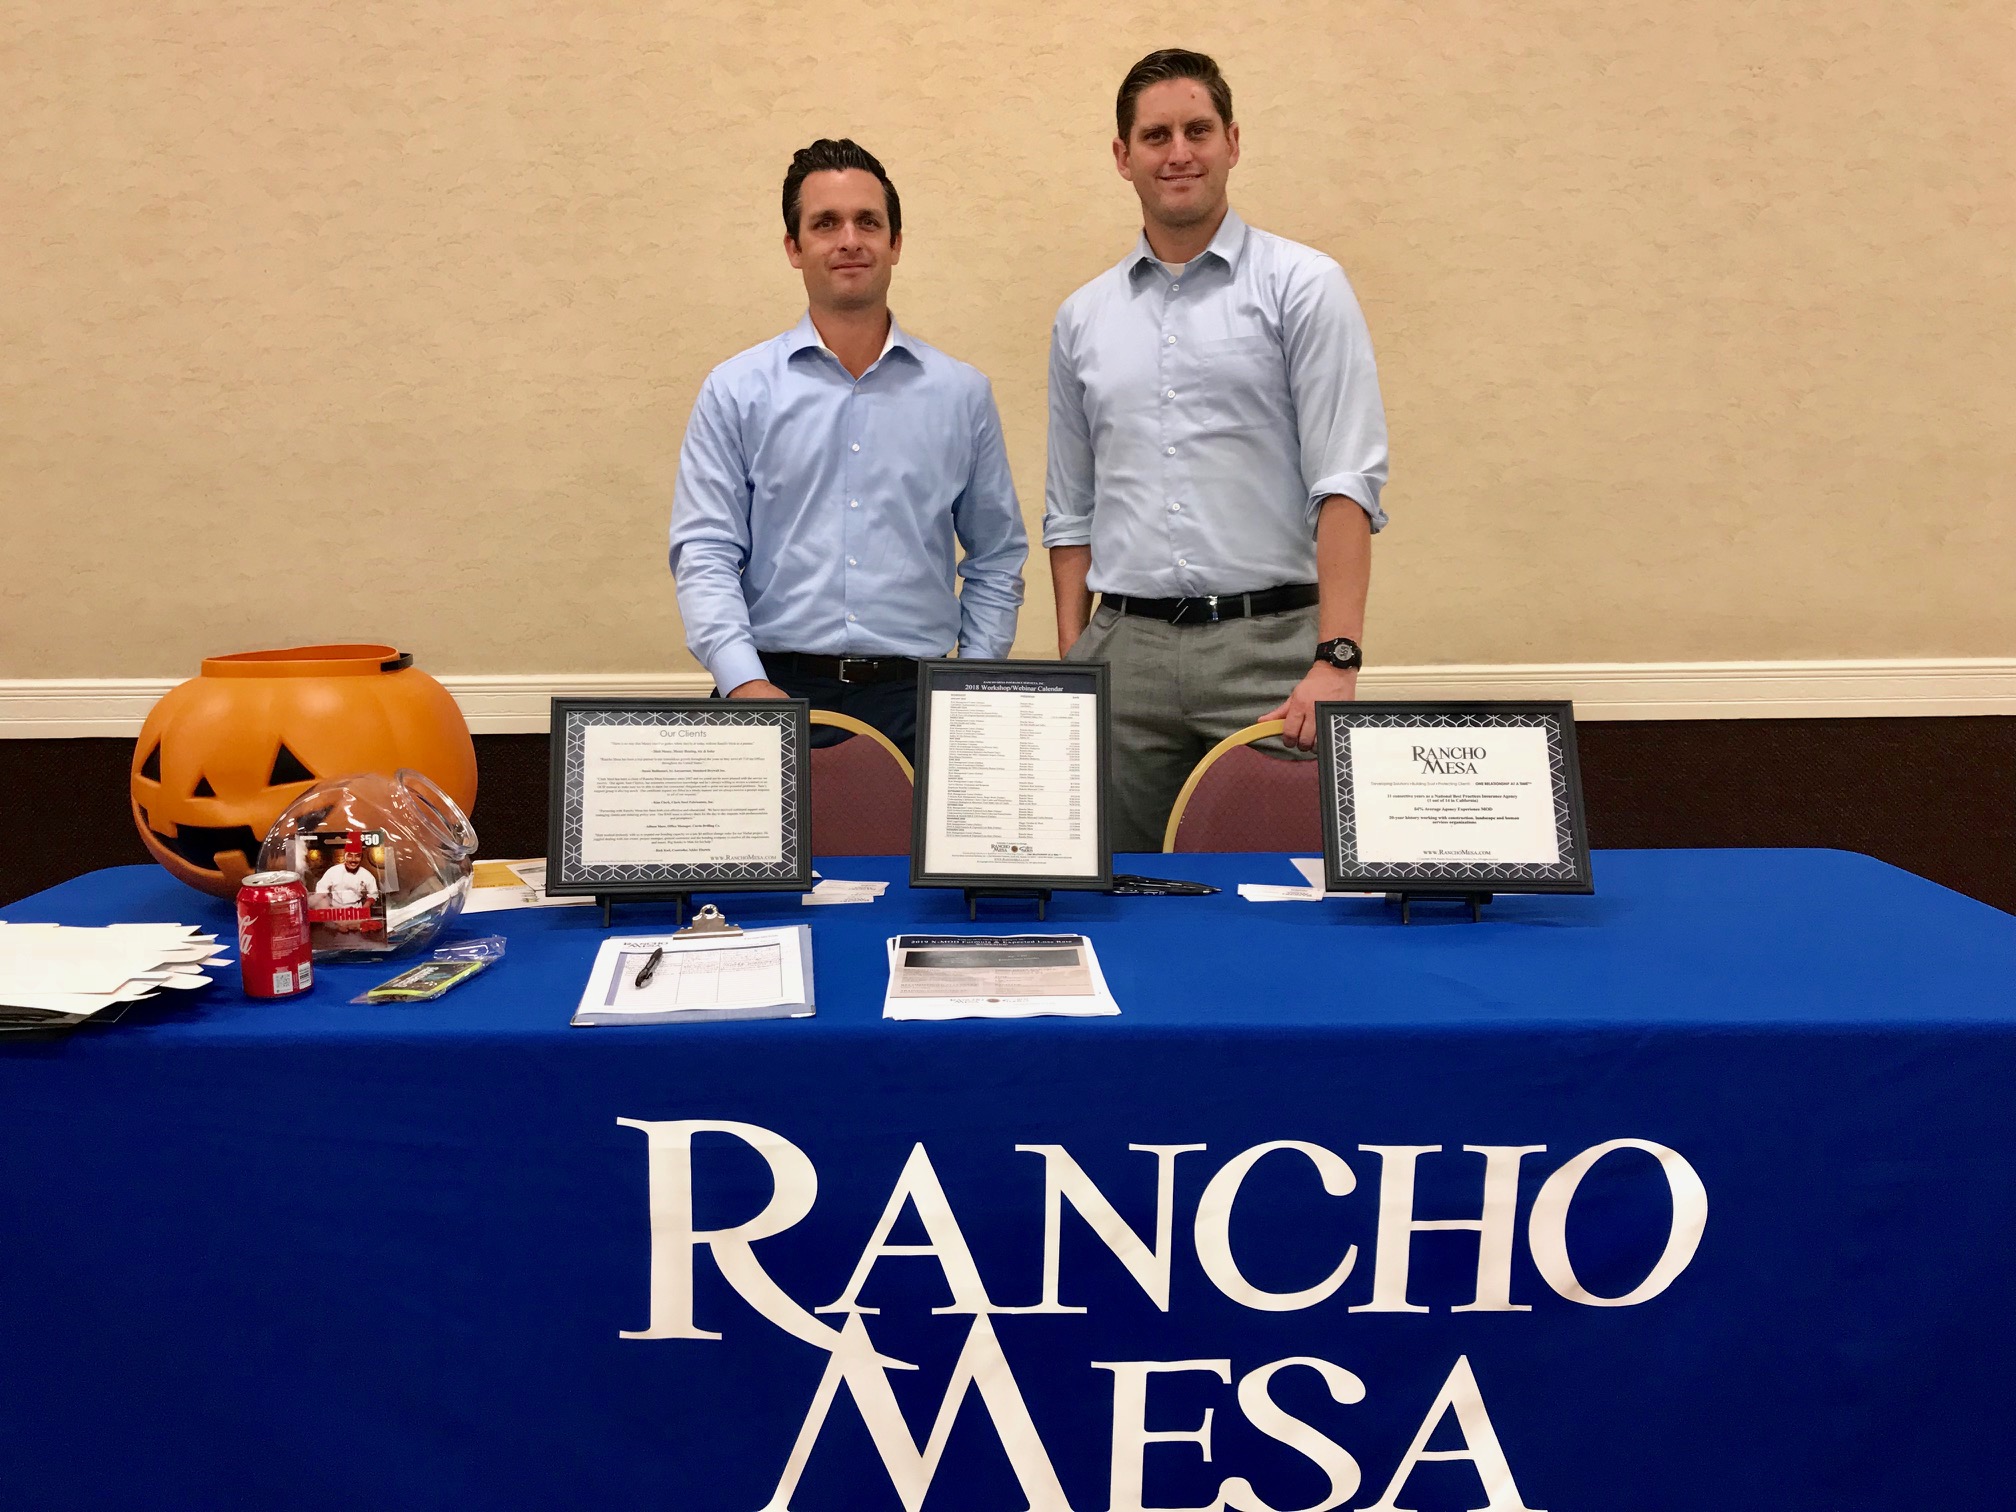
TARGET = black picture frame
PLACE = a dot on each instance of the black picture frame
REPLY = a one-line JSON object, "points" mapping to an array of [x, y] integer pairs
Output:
{"points": [[1016, 676], [1343, 872], [568, 876]]}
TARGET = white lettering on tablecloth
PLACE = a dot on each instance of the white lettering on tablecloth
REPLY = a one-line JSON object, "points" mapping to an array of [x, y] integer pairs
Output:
{"points": [[1214, 1228], [983, 1368]]}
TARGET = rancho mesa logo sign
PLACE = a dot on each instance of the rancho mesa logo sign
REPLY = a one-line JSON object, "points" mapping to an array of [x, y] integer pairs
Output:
{"points": [[858, 1370]]}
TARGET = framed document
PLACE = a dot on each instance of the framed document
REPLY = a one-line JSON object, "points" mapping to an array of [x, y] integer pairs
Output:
{"points": [[660, 797], [1013, 762], [1458, 800]]}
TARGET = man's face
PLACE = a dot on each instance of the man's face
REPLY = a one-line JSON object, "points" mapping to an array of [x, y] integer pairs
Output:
{"points": [[351, 860], [1179, 153], [843, 245]]}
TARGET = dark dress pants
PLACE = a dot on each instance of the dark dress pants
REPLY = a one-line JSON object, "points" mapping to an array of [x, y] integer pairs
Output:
{"points": [[890, 707]]}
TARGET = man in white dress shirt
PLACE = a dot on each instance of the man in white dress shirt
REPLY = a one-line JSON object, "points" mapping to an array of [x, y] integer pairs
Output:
{"points": [[1217, 449]]}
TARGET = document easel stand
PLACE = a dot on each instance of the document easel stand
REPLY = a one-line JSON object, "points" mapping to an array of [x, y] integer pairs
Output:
{"points": [[1041, 896], [1407, 900], [678, 900]]}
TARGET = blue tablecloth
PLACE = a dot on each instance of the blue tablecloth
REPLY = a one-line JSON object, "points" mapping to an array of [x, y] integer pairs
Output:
{"points": [[309, 1255]]}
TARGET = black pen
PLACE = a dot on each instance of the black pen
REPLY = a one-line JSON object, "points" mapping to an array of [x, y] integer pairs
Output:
{"points": [[650, 966], [1158, 887]]}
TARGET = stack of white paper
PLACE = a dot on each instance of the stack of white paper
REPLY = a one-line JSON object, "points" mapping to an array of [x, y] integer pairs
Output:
{"points": [[1311, 867], [835, 890], [58, 975], [499, 885]]}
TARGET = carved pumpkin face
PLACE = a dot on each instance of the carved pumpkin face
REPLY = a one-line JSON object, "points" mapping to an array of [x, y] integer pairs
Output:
{"points": [[222, 755]]}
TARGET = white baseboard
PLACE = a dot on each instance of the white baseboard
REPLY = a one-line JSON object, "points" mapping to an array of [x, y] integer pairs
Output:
{"points": [[1725, 690], [48, 708]]}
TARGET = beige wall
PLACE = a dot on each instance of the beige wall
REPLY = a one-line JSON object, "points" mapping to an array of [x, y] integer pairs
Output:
{"points": [[321, 322]]}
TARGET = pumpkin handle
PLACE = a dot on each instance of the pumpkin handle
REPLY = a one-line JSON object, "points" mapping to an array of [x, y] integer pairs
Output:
{"points": [[398, 663]]}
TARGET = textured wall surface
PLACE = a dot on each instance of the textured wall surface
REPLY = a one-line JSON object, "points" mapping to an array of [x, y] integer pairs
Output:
{"points": [[383, 320]]}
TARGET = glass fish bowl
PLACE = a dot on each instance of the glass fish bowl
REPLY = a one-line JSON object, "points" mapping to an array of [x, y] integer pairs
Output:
{"points": [[386, 861]]}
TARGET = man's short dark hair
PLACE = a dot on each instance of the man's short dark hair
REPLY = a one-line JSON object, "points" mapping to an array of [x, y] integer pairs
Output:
{"points": [[829, 156], [1165, 64]]}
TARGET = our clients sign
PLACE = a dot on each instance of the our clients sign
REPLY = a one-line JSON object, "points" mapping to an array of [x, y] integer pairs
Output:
{"points": [[859, 1369]]}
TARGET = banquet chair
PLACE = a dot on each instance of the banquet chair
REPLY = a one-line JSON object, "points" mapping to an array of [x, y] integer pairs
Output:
{"points": [[1242, 799], [860, 792]]}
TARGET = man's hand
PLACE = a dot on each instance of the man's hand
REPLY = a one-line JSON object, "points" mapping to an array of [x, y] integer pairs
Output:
{"points": [[1068, 567], [757, 688], [1322, 684]]}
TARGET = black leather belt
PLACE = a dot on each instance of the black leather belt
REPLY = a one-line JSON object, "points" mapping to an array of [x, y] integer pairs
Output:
{"points": [[1210, 608], [846, 669]]}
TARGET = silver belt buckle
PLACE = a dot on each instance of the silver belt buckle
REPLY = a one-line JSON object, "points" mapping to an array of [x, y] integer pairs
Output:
{"points": [[1212, 600], [845, 663]]}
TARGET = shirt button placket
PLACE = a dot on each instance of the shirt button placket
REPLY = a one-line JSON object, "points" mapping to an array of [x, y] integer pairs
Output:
{"points": [[849, 522], [1171, 477]]}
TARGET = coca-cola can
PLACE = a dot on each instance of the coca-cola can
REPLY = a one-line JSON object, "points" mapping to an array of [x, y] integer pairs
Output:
{"points": [[273, 953]]}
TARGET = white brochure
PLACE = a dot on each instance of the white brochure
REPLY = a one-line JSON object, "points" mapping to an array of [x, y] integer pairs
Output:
{"points": [[995, 976]]}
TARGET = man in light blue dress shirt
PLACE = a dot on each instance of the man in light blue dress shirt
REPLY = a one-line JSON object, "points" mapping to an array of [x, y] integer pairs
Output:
{"points": [[1217, 449], [827, 474]]}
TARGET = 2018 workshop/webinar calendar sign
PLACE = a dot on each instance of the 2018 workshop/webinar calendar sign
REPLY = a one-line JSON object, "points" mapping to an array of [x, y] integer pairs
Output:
{"points": [[1451, 798], [1012, 764]]}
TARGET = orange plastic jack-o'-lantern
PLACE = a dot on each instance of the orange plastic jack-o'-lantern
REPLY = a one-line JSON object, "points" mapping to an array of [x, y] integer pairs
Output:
{"points": [[223, 754]]}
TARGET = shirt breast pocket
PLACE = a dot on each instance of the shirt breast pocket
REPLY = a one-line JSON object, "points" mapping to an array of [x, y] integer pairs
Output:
{"points": [[1245, 378]]}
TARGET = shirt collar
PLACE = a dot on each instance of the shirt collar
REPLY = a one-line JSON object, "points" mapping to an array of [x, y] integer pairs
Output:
{"points": [[1226, 245], [804, 337]]}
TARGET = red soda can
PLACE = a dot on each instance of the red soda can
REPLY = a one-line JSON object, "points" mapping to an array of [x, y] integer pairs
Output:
{"points": [[273, 953]]}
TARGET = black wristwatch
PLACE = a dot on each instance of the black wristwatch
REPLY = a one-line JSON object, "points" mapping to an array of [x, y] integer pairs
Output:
{"points": [[1341, 653]]}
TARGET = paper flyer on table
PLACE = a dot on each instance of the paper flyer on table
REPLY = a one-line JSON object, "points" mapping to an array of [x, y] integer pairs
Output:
{"points": [[497, 885], [1311, 868], [995, 976], [837, 890]]}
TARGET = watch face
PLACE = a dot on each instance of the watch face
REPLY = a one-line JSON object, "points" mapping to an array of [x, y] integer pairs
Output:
{"points": [[1343, 654]]}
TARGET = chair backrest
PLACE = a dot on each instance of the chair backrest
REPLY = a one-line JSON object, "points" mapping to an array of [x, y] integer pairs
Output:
{"points": [[1240, 799], [860, 792]]}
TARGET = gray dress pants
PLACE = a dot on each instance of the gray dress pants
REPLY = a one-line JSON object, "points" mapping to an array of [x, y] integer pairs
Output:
{"points": [[1177, 690]]}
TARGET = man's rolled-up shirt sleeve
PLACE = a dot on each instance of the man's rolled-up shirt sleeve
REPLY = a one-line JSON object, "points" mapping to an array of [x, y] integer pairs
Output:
{"points": [[1335, 384], [710, 542], [1068, 478], [988, 519]]}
